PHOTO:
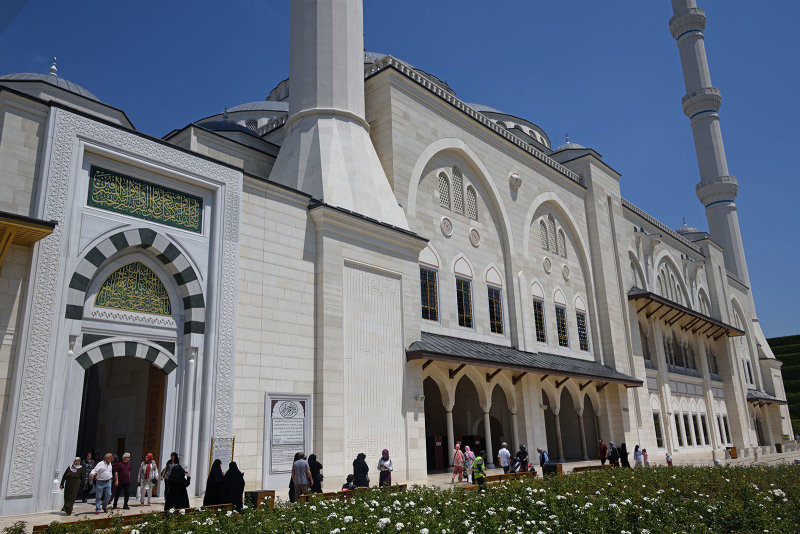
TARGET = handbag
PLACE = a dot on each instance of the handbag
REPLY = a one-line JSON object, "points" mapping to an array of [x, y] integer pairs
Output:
{"points": [[321, 477]]}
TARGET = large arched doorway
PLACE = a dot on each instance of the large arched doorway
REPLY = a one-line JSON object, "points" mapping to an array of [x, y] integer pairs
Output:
{"points": [[468, 428], [435, 427], [122, 409], [500, 420], [570, 431]]}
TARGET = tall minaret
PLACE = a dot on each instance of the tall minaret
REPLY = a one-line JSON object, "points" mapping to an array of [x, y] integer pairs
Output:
{"points": [[717, 189], [327, 151]]}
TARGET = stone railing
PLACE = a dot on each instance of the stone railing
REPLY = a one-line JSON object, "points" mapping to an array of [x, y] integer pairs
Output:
{"points": [[661, 226]]}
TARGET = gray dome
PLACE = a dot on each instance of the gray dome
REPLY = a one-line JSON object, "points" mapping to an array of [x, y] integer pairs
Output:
{"points": [[686, 229], [226, 126], [261, 105], [482, 108], [52, 79], [568, 146]]}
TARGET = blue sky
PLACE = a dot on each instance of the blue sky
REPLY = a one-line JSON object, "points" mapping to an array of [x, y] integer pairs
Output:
{"points": [[606, 72]]}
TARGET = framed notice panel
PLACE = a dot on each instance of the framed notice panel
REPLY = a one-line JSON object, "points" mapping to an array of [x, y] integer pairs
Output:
{"points": [[221, 449], [287, 431]]}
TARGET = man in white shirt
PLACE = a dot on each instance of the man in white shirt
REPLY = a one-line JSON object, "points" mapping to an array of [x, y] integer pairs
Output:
{"points": [[102, 474], [503, 456]]}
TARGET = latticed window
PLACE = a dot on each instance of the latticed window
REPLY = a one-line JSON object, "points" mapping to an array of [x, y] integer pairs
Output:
{"points": [[712, 361], [721, 429], [458, 191], [562, 243], [551, 234], [678, 298], [583, 335], [704, 424], [464, 298], [659, 433], [430, 302], [251, 124], [472, 203], [679, 430], [543, 234], [538, 319], [698, 438], [561, 326], [495, 310], [727, 429], [444, 191], [659, 286], [634, 278], [689, 440]]}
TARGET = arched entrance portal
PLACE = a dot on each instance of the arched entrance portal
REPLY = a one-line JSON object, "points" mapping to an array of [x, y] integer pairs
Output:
{"points": [[570, 432], [500, 420], [468, 416], [122, 409], [435, 427]]}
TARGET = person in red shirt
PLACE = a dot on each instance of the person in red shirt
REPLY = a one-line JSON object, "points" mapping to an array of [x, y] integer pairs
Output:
{"points": [[122, 480], [602, 452]]}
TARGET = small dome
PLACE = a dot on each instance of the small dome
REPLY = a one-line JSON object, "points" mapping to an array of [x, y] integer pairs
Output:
{"points": [[226, 126], [52, 79], [686, 229]]}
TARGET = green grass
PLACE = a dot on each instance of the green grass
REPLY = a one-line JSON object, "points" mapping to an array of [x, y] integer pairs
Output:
{"points": [[787, 350]]}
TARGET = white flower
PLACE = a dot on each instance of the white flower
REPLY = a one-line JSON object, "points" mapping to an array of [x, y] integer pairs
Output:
{"points": [[336, 531], [229, 513], [510, 509], [561, 498], [399, 526], [182, 511], [172, 510], [539, 503], [244, 507], [383, 521], [348, 519], [423, 531], [134, 531]]}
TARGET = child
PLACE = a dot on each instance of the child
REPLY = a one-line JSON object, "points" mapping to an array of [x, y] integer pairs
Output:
{"points": [[669, 460], [644, 458], [349, 486]]}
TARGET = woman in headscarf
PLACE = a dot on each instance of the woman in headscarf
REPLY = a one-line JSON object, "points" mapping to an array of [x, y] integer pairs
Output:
{"points": [[292, 496], [177, 482], [213, 493], [469, 460], [360, 470], [385, 469], [148, 478], [233, 486], [623, 456], [72, 482], [458, 464], [315, 467]]}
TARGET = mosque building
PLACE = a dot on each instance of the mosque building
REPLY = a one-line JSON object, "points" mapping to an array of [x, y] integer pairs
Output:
{"points": [[361, 261]]}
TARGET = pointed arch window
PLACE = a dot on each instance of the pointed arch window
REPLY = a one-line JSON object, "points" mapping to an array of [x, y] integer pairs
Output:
{"points": [[634, 278], [134, 287], [551, 234], [444, 191], [543, 235], [562, 243], [472, 203], [458, 191]]}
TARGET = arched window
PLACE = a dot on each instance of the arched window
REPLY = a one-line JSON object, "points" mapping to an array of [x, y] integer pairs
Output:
{"points": [[543, 234], [634, 278], [562, 243], [678, 297], [444, 191], [551, 234], [472, 203], [134, 287], [659, 286], [458, 191]]}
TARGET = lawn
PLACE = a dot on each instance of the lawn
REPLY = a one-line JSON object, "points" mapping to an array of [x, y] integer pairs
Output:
{"points": [[655, 500]]}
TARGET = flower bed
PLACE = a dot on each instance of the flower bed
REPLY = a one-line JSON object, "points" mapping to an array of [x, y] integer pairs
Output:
{"points": [[654, 500]]}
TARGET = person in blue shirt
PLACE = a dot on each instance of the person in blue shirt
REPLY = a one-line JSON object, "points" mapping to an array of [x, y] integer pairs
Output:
{"points": [[543, 458]]}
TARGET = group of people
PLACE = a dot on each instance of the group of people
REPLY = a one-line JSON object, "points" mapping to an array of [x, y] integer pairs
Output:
{"points": [[307, 477], [110, 478], [618, 457], [224, 488]]}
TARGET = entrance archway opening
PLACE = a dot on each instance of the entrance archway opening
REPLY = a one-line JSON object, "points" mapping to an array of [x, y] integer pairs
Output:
{"points": [[570, 432], [435, 427], [468, 427], [590, 426], [550, 427], [122, 409], [500, 420]]}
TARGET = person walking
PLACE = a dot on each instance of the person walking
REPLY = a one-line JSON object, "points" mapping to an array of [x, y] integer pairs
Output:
{"points": [[72, 482], [122, 480], [301, 474], [613, 454], [88, 465], [102, 474], [469, 462], [173, 459], [479, 471], [316, 473], [645, 459], [544, 459], [177, 480], [637, 457], [458, 464], [360, 470], [147, 478], [213, 494], [233, 486], [385, 469], [623, 456], [602, 452], [292, 495], [504, 457]]}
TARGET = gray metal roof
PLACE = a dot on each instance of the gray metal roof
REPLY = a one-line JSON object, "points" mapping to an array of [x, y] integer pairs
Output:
{"points": [[753, 395], [52, 79], [261, 105], [439, 347], [483, 108]]}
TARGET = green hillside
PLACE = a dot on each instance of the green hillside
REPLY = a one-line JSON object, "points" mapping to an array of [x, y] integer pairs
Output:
{"points": [[787, 350]]}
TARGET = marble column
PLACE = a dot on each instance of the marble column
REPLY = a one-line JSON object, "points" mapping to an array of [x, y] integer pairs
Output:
{"points": [[487, 428], [583, 435], [451, 440], [188, 408], [558, 438], [514, 432]]}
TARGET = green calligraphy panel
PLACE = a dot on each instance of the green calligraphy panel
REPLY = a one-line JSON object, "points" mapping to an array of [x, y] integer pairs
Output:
{"points": [[134, 287], [122, 194]]}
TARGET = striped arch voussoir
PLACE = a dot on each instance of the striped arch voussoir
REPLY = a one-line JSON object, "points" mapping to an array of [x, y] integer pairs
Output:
{"points": [[116, 348], [168, 254]]}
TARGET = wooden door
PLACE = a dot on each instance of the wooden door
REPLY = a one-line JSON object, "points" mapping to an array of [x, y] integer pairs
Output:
{"points": [[154, 413]]}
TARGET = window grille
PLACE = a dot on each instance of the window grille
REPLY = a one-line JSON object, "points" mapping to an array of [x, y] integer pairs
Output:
{"points": [[464, 298], [472, 203], [727, 429], [562, 243], [704, 424], [583, 336], [561, 326], [659, 434], [251, 124], [495, 310], [634, 278], [551, 234], [430, 303], [698, 438], [543, 233], [458, 191], [444, 191], [679, 429], [538, 318]]}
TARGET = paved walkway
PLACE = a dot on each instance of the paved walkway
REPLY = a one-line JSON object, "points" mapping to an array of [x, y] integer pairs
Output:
{"points": [[441, 480]]}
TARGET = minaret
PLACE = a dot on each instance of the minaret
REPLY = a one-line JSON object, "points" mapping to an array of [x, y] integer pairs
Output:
{"points": [[327, 151], [717, 189]]}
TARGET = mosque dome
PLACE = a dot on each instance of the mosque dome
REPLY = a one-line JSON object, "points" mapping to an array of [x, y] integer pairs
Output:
{"points": [[261, 105], [52, 79], [568, 145], [686, 229]]}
